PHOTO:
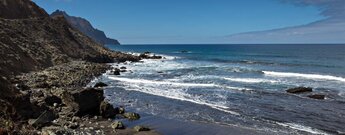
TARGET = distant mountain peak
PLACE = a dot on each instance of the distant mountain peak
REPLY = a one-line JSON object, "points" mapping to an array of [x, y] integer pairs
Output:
{"points": [[58, 12], [85, 27]]}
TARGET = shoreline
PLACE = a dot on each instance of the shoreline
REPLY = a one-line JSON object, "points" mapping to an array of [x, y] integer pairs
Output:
{"points": [[51, 111]]}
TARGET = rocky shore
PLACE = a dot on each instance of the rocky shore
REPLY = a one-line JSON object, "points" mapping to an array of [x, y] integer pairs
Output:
{"points": [[61, 104]]}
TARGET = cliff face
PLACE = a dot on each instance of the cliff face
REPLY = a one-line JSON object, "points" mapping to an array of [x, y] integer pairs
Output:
{"points": [[31, 40], [85, 27], [20, 9]]}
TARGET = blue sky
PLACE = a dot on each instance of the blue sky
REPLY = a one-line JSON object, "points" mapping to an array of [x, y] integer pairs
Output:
{"points": [[198, 21]]}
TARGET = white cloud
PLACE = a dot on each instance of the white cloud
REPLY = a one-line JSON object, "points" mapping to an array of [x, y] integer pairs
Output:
{"points": [[329, 30]]}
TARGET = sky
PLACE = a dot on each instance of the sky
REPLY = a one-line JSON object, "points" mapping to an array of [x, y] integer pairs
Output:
{"points": [[211, 21]]}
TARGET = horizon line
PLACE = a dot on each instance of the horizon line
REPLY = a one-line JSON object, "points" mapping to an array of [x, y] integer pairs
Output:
{"points": [[239, 44]]}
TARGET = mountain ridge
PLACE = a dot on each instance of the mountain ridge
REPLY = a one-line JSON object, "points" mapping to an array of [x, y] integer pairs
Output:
{"points": [[85, 27]]}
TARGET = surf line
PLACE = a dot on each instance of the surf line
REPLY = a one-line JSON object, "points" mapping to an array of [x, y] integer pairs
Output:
{"points": [[308, 76], [214, 106]]}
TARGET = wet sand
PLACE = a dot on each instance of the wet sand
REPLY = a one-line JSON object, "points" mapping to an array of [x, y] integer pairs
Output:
{"points": [[176, 127]]}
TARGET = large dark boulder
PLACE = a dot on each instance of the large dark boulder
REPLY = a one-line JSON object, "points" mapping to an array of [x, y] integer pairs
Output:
{"points": [[84, 102], [299, 90]]}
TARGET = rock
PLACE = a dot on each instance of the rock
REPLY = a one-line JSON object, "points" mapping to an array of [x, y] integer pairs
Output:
{"points": [[73, 125], [141, 128], [147, 56], [100, 84], [107, 110], [317, 96], [115, 71], [123, 71], [123, 68], [51, 100], [299, 90], [44, 119], [121, 110], [131, 116], [84, 102], [160, 72], [117, 125], [22, 86], [156, 57], [75, 119], [56, 131]]}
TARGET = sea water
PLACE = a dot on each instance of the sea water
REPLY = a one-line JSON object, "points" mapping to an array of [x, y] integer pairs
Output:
{"points": [[239, 85]]}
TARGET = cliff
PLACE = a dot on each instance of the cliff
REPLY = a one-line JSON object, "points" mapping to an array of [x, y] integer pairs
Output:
{"points": [[85, 27], [30, 40]]}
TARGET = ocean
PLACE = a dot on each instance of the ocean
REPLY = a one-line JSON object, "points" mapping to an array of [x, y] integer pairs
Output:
{"points": [[237, 85]]}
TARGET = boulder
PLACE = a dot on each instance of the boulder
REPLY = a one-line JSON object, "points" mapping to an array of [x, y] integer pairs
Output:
{"points": [[56, 131], [44, 119], [118, 125], [156, 57], [22, 86], [299, 90], [123, 68], [121, 110], [100, 84], [115, 71], [141, 128], [131, 116], [51, 100], [317, 96], [107, 110], [84, 102], [147, 56]]}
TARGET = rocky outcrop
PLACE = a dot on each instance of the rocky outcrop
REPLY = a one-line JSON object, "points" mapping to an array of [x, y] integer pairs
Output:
{"points": [[141, 128], [83, 102], [20, 9], [131, 116], [85, 27], [317, 96], [299, 90]]}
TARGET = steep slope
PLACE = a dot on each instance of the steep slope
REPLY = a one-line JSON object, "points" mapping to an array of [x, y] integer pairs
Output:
{"points": [[85, 27], [29, 41], [20, 9]]}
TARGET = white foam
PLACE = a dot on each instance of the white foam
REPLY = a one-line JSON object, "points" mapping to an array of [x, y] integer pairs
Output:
{"points": [[250, 80], [169, 90], [308, 76], [303, 128], [162, 82]]}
